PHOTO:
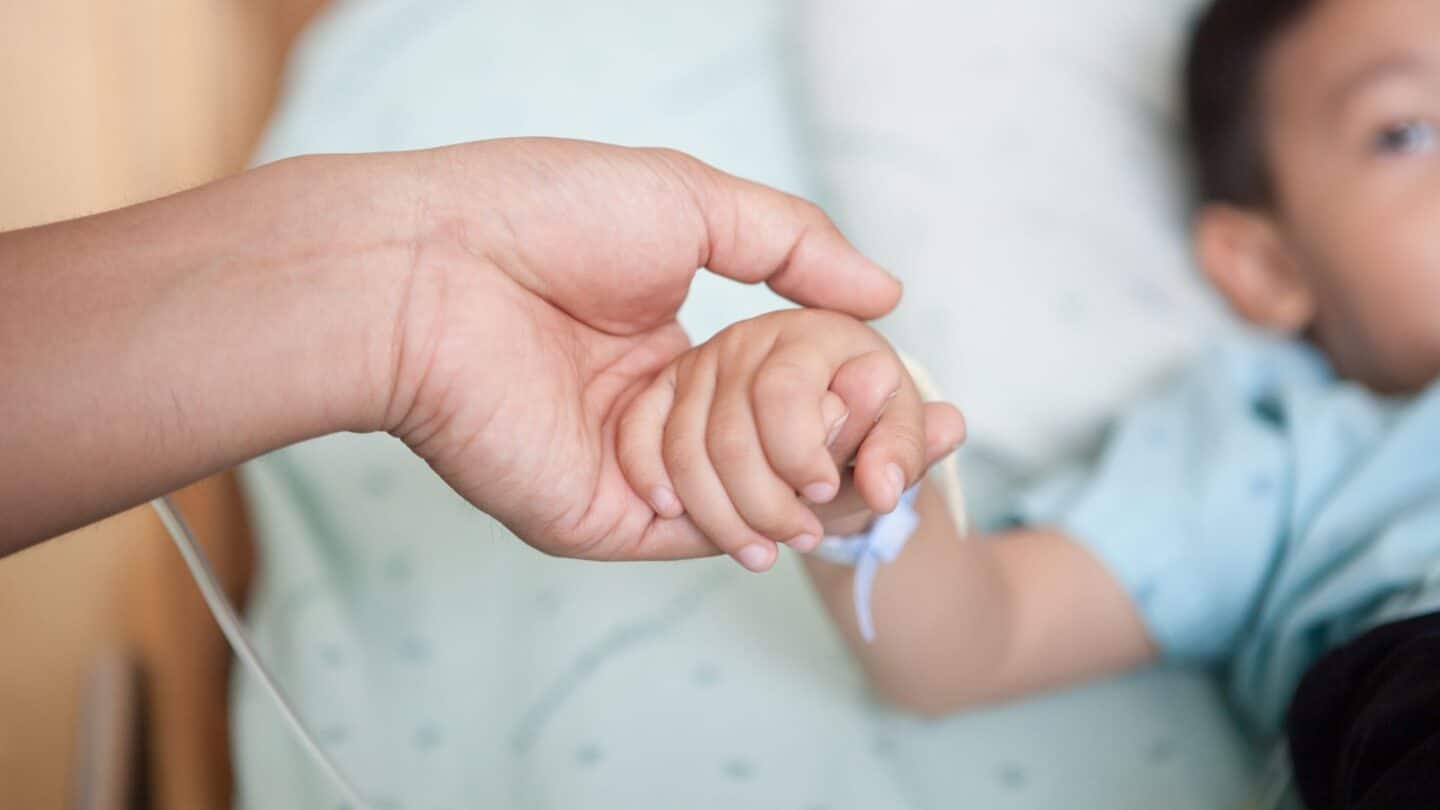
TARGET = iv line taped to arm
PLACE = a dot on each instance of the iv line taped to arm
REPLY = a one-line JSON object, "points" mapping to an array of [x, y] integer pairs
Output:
{"points": [[870, 549], [234, 629]]}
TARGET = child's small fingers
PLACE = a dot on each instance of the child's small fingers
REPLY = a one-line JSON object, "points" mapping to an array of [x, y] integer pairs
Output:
{"points": [[765, 502], [640, 446], [944, 431], [788, 399], [866, 384], [665, 540], [847, 505], [892, 457], [687, 460], [834, 415]]}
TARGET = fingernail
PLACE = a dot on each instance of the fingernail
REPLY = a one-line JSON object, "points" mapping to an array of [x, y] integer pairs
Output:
{"points": [[836, 428], [755, 558], [665, 503], [821, 492], [805, 543], [896, 478], [886, 404]]}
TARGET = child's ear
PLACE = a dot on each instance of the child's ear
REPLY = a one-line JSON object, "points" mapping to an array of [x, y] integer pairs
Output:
{"points": [[1248, 258]]}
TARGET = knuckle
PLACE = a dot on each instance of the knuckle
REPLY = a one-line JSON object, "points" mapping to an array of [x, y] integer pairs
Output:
{"points": [[779, 382], [835, 320], [805, 321], [911, 446]]}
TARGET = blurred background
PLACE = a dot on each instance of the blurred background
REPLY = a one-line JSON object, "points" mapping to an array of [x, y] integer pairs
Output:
{"points": [[105, 104]]}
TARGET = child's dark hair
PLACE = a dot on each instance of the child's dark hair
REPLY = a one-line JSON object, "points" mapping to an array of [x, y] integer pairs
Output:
{"points": [[1222, 96]]}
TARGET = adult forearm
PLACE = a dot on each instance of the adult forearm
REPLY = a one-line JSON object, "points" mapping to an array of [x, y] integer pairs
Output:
{"points": [[148, 347]]}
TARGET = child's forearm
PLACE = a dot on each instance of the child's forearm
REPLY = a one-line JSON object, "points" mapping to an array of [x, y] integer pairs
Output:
{"points": [[972, 621], [938, 610]]}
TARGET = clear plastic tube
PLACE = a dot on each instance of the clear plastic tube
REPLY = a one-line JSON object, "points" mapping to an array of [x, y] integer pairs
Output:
{"points": [[234, 630]]}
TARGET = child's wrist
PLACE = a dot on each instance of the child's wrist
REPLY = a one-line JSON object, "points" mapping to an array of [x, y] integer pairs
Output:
{"points": [[858, 523], [880, 544]]}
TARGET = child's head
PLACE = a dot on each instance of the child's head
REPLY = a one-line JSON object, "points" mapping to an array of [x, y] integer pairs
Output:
{"points": [[1315, 127]]}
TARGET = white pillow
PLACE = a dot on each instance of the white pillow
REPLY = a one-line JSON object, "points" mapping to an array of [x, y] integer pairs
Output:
{"points": [[1018, 165]]}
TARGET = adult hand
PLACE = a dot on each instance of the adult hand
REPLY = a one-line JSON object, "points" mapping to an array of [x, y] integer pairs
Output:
{"points": [[546, 280], [493, 304]]}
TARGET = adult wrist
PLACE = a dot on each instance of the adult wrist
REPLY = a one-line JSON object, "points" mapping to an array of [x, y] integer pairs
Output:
{"points": [[346, 246]]}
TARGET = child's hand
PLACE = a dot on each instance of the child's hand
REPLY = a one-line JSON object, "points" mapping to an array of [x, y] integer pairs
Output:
{"points": [[730, 432]]}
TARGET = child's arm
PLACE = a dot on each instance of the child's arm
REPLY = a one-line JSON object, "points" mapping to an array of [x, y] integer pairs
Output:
{"points": [[976, 620], [734, 429]]}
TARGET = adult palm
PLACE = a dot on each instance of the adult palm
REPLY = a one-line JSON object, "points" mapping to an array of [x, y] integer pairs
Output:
{"points": [[545, 283]]}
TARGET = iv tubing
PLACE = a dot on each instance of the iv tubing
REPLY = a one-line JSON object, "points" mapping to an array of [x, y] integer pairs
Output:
{"points": [[234, 630]]}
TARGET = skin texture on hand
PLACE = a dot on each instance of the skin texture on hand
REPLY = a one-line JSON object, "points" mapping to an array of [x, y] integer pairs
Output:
{"points": [[492, 304], [580, 255], [748, 433]]}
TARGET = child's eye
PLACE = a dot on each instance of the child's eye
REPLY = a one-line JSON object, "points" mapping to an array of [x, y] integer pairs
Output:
{"points": [[1407, 138]]}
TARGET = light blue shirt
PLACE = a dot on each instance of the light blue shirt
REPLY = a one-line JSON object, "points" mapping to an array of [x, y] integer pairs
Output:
{"points": [[1260, 512]]}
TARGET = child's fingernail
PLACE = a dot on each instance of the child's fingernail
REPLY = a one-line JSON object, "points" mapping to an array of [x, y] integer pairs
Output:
{"points": [[805, 543], [836, 428], [821, 492], [886, 404], [896, 479], [755, 558], [665, 503]]}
